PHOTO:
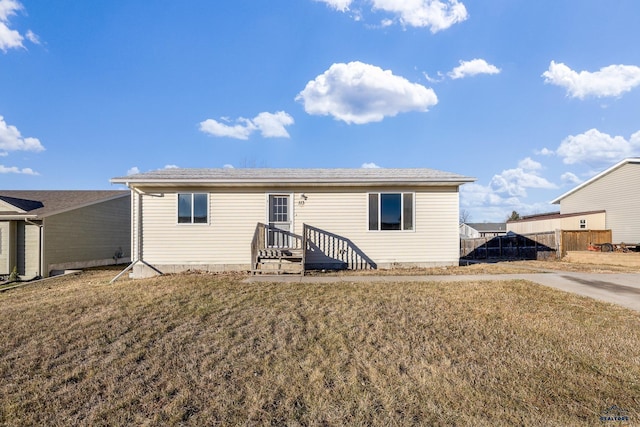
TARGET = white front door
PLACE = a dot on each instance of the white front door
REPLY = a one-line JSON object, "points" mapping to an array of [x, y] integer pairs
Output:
{"points": [[279, 219]]}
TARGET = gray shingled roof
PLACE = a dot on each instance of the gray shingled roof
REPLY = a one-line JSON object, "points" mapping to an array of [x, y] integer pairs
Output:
{"points": [[293, 176], [488, 226], [40, 203]]}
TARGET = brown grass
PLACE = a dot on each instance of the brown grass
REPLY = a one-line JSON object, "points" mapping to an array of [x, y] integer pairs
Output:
{"points": [[503, 267], [210, 350]]}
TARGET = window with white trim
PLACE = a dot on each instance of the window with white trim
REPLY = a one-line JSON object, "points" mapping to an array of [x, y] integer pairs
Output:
{"points": [[583, 223], [193, 208], [391, 211]]}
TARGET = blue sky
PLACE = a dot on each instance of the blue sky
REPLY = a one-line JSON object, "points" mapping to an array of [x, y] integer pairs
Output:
{"points": [[530, 98]]}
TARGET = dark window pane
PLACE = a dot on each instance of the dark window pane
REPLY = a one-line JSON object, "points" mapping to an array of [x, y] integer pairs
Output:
{"points": [[407, 211], [390, 211], [373, 211], [200, 208], [184, 208]]}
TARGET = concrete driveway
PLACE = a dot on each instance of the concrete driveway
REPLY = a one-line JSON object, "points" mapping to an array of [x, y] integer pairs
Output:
{"points": [[617, 288]]}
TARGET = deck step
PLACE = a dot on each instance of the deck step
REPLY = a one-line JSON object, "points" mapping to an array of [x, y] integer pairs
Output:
{"points": [[279, 261]]}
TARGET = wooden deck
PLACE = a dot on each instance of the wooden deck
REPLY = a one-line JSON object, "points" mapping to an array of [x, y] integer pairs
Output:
{"points": [[275, 251]]}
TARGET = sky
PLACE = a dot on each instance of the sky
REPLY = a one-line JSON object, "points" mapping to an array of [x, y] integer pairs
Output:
{"points": [[531, 98]]}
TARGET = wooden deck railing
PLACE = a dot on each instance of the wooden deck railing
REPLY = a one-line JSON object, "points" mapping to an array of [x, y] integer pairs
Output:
{"points": [[269, 237], [335, 250]]}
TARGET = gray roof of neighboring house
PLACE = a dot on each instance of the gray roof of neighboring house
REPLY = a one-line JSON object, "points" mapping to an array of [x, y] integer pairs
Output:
{"points": [[42, 203], [632, 160], [488, 226], [230, 176]]}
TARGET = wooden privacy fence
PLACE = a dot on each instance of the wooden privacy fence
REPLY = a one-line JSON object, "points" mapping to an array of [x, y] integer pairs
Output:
{"points": [[579, 240], [532, 246]]}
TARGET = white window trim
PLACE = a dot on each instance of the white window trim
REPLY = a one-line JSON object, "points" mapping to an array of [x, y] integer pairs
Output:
{"points": [[192, 224], [413, 211]]}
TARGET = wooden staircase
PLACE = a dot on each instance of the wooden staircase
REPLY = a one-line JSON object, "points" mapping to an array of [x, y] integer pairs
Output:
{"points": [[276, 260]]}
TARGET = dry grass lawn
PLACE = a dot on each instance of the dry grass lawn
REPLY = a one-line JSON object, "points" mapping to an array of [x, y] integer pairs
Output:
{"points": [[202, 349]]}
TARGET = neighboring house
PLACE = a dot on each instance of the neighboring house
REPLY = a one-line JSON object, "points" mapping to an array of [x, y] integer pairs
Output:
{"points": [[540, 223], [44, 231], [614, 191], [482, 229], [209, 219]]}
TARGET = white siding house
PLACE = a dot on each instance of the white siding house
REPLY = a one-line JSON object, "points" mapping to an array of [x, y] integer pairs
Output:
{"points": [[614, 191], [205, 219], [556, 221], [45, 231]]}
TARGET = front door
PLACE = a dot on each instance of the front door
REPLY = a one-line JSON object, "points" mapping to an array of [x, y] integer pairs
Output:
{"points": [[279, 221]]}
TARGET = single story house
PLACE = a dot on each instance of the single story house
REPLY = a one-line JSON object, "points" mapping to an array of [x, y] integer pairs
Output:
{"points": [[45, 231], [473, 230], [552, 221], [614, 191], [230, 219]]}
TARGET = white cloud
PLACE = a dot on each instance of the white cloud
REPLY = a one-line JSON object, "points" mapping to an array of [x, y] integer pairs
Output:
{"points": [[9, 38], [13, 169], [613, 80], [570, 178], [227, 166], [506, 192], [438, 79], [545, 152], [514, 182], [273, 125], [361, 93], [270, 125], [32, 37], [170, 167], [472, 68], [370, 166], [239, 131], [12, 140], [594, 146], [340, 5], [134, 170], [437, 15]]}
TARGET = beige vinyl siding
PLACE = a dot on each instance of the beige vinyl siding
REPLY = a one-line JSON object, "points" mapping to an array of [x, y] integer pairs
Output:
{"points": [[617, 193], [433, 240], [234, 213], [226, 239], [595, 221], [88, 236]]}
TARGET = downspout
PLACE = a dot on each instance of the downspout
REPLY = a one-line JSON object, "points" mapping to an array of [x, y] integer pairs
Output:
{"points": [[138, 255], [40, 246]]}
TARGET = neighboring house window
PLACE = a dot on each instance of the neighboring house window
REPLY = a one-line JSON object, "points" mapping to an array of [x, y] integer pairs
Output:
{"points": [[391, 211], [193, 208], [583, 223]]}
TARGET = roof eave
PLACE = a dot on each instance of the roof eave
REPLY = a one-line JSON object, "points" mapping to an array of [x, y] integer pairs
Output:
{"points": [[287, 182]]}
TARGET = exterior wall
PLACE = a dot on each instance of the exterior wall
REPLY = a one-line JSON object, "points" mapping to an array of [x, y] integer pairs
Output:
{"points": [[226, 239], [434, 240], [225, 242], [88, 236], [617, 193], [595, 221]]}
